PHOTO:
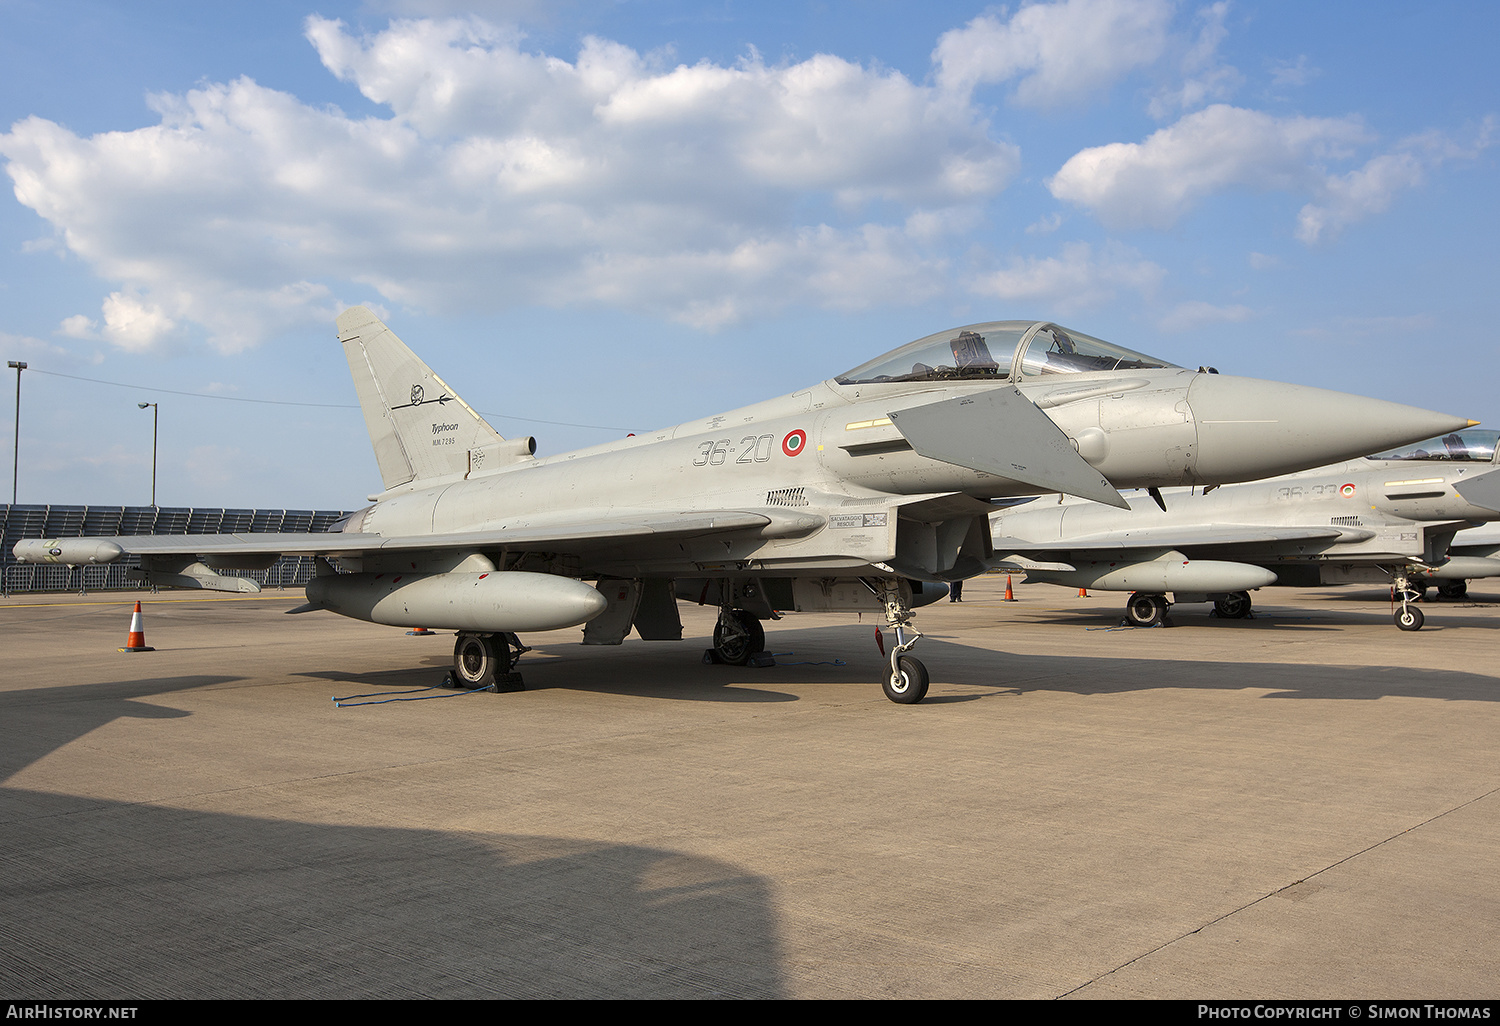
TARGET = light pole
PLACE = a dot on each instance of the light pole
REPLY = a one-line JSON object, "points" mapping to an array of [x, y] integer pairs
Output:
{"points": [[155, 409], [15, 473]]}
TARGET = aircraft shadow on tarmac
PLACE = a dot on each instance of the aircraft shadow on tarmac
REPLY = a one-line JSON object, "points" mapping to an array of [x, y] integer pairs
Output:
{"points": [[140, 901], [38, 721], [537, 672], [673, 672], [131, 900], [127, 899]]}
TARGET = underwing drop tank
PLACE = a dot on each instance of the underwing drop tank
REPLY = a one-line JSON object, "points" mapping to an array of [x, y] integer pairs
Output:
{"points": [[500, 601], [1160, 575]]}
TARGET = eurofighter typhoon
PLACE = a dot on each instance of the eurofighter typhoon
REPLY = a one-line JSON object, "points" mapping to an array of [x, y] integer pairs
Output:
{"points": [[1387, 519], [863, 493]]}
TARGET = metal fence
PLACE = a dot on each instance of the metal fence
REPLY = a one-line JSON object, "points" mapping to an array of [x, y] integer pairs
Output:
{"points": [[21, 521]]}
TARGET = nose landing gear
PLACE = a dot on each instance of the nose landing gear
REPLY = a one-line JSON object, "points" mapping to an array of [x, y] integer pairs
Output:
{"points": [[1408, 617], [906, 684]]}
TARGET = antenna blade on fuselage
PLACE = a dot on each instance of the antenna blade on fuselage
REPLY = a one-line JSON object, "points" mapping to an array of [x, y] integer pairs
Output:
{"points": [[1001, 432]]}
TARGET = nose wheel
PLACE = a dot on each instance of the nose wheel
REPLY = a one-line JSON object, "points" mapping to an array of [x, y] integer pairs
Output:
{"points": [[1409, 618], [907, 683]]}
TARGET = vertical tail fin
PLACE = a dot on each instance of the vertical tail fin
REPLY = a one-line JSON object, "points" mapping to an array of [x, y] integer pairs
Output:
{"points": [[419, 426]]}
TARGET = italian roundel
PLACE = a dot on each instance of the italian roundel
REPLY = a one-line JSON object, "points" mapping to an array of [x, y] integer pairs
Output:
{"points": [[1347, 490], [794, 442]]}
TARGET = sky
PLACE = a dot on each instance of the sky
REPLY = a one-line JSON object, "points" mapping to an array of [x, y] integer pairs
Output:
{"points": [[597, 217]]}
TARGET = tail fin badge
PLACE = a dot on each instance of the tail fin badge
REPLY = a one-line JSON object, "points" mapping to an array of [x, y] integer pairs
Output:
{"points": [[417, 393]]}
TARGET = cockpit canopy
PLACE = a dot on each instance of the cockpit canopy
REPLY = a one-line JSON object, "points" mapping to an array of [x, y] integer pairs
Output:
{"points": [[1468, 446], [998, 351]]}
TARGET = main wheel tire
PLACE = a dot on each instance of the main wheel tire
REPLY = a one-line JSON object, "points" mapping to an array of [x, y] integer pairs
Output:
{"points": [[479, 659], [1146, 610], [909, 685], [1234, 606], [1416, 593], [738, 637], [1455, 590], [1409, 618]]}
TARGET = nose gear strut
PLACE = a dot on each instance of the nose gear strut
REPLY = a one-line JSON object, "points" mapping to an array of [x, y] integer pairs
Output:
{"points": [[907, 681], [1408, 617]]}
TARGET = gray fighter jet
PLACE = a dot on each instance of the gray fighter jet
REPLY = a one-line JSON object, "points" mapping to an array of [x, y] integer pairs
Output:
{"points": [[1388, 519], [865, 492]]}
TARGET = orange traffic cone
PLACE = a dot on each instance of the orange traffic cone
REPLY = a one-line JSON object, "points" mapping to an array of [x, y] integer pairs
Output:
{"points": [[421, 632], [1010, 596], [1083, 593], [137, 640]]}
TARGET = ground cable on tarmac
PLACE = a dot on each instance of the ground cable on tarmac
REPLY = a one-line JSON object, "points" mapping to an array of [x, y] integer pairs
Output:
{"points": [[343, 703]]}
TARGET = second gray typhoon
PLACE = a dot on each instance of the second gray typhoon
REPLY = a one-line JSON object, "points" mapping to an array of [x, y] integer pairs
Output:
{"points": [[1388, 519]]}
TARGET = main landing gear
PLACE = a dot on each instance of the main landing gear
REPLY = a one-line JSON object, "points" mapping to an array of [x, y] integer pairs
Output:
{"points": [[1146, 610], [737, 637], [1234, 606], [484, 661]]}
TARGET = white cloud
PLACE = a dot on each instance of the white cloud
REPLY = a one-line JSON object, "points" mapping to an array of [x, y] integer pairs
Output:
{"points": [[1350, 330], [1293, 73], [1205, 76], [1153, 183], [25, 348], [134, 324], [1046, 225], [1078, 278], [507, 177], [1060, 52], [1194, 314], [79, 326], [1351, 197]]}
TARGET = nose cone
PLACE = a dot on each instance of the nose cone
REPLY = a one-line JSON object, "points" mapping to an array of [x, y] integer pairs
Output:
{"points": [[1250, 429]]}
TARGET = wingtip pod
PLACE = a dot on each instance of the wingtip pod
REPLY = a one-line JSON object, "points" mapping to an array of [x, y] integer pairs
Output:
{"points": [[69, 551]]}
